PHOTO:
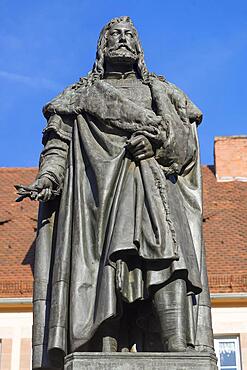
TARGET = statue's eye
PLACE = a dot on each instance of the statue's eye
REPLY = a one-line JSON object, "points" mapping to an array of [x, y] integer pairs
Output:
{"points": [[114, 33], [129, 34]]}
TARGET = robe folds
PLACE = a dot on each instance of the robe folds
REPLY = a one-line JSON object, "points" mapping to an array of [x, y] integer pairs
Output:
{"points": [[119, 230]]}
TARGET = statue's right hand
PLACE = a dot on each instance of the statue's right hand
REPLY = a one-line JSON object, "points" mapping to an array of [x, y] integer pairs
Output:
{"points": [[40, 189]]}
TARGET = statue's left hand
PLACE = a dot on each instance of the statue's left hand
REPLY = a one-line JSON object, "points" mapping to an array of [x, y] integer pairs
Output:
{"points": [[140, 148]]}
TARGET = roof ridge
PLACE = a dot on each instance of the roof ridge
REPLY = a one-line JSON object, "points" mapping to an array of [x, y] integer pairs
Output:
{"points": [[10, 169]]}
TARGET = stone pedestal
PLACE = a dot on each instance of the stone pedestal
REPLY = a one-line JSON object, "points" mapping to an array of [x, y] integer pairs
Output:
{"points": [[140, 361]]}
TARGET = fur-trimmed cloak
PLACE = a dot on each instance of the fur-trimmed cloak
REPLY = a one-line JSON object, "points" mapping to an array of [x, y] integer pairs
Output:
{"points": [[120, 229]]}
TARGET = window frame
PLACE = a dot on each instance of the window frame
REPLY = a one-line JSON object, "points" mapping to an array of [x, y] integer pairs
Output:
{"points": [[228, 338]]}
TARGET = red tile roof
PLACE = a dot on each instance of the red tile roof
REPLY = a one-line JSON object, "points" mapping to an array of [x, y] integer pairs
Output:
{"points": [[225, 233], [17, 234]]}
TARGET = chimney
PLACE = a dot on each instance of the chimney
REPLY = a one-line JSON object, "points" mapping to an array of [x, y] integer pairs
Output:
{"points": [[230, 158]]}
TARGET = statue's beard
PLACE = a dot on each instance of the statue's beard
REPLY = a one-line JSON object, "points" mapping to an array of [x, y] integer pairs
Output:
{"points": [[121, 54]]}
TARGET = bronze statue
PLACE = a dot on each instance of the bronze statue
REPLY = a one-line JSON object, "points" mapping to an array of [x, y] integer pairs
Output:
{"points": [[119, 263]]}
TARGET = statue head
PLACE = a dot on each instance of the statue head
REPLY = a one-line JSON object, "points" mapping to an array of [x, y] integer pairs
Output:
{"points": [[119, 43]]}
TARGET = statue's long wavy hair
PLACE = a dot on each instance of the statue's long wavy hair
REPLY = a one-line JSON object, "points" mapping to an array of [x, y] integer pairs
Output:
{"points": [[99, 64]]}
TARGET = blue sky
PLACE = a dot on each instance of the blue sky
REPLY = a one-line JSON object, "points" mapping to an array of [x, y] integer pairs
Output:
{"points": [[200, 45]]}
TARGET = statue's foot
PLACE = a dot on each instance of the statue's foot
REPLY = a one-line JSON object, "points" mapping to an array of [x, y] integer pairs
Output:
{"points": [[205, 349], [190, 349], [176, 344], [125, 349], [109, 344]]}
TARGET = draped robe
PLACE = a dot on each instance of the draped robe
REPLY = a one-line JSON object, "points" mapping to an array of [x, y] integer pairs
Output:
{"points": [[119, 230]]}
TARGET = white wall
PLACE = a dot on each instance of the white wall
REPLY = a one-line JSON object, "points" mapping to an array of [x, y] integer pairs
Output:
{"points": [[232, 320], [16, 326]]}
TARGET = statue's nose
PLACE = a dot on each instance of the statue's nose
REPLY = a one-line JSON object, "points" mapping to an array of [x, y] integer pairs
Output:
{"points": [[122, 37]]}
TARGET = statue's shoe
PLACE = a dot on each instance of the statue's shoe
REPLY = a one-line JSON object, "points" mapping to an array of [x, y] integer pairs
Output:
{"points": [[109, 344], [176, 344]]}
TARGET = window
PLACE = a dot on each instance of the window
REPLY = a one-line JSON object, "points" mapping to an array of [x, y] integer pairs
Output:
{"points": [[228, 353]]}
